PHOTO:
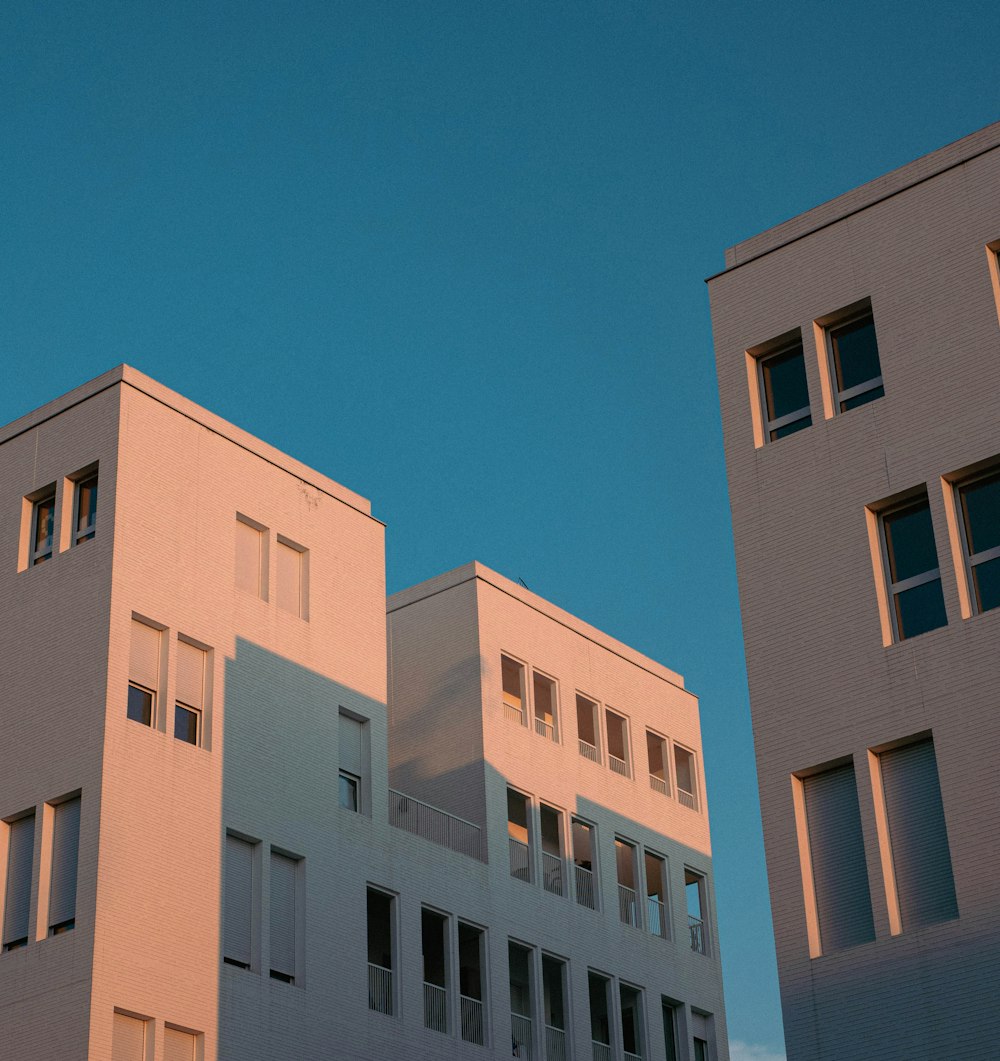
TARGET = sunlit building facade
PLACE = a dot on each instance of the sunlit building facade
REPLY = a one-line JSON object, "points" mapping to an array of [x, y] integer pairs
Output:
{"points": [[859, 377], [217, 841]]}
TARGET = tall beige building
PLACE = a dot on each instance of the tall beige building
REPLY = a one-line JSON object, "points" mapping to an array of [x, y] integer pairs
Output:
{"points": [[859, 370], [239, 822]]}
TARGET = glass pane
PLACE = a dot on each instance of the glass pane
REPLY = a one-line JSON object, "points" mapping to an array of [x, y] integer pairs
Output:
{"points": [[44, 517], [855, 354], [140, 705], [981, 511], [920, 609], [86, 505], [348, 792], [862, 399], [785, 388], [185, 724], [909, 539], [987, 580], [790, 429]]}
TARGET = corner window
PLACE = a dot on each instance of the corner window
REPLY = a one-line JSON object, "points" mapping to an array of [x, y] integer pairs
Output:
{"points": [[43, 516], [85, 509], [979, 505], [916, 602], [144, 673], [853, 351], [784, 391]]}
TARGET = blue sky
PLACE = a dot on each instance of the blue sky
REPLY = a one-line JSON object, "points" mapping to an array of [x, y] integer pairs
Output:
{"points": [[452, 254]]}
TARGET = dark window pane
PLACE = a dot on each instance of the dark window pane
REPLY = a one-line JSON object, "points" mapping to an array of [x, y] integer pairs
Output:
{"points": [[855, 353], [348, 793], [185, 724], [909, 539], [86, 508], [987, 579], [785, 388], [981, 510], [140, 705], [862, 399], [44, 519], [790, 429], [920, 609]]}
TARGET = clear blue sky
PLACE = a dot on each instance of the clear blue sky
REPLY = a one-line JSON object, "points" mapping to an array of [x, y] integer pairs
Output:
{"points": [[451, 254]]}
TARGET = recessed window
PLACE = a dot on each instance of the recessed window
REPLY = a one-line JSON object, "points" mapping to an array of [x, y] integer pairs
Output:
{"points": [[853, 348], [656, 895], [544, 690], [784, 391], [656, 754], [979, 503], [686, 777], [285, 927], [144, 673], [628, 902], [17, 903], [85, 509], [239, 887], [694, 891], [518, 834], [916, 602], [293, 578], [251, 557], [512, 680], [65, 857], [381, 952], [348, 790], [471, 963], [179, 1045], [633, 1023], [189, 710], [551, 828], [617, 730], [131, 1038], [43, 517], [584, 849], [588, 728], [435, 948], [354, 760], [520, 963], [140, 704]]}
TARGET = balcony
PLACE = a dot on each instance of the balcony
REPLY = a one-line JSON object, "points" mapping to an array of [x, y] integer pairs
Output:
{"points": [[585, 892], [552, 873], [435, 825], [588, 751], [602, 1051], [545, 729], [628, 909], [472, 1020], [435, 1007], [657, 784], [697, 929], [687, 799], [520, 1037], [555, 1044], [631, 1057], [619, 766], [379, 989], [513, 712], [656, 915], [520, 859]]}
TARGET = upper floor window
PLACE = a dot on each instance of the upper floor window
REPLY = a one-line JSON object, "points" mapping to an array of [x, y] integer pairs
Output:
{"points": [[239, 888], [85, 508], [512, 680], [656, 753], [354, 759], [784, 391], [251, 557], [979, 503], [685, 773], [293, 578], [545, 706], [916, 602], [43, 518], [853, 351], [381, 952], [588, 728], [65, 856], [618, 754], [144, 673], [694, 890], [518, 834], [17, 904], [584, 864]]}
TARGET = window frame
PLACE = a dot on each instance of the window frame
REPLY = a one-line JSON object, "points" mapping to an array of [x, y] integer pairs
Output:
{"points": [[595, 706], [82, 479], [627, 773], [691, 800], [355, 781], [548, 731], [761, 357], [833, 325], [38, 556], [508, 708], [972, 560]]}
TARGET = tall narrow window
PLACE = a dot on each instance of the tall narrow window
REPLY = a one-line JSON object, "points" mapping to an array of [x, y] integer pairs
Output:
{"points": [[471, 962], [618, 756], [656, 754], [694, 892], [512, 679], [144, 673], [284, 915], [784, 391], [20, 856], [292, 578], [544, 692], [686, 777], [434, 945], [628, 905], [251, 557], [179, 1045], [600, 1016], [583, 864], [656, 895], [917, 603], [632, 1023], [518, 810], [552, 848], [921, 862], [857, 372], [587, 728], [239, 901], [130, 1038], [554, 1008], [353, 759], [381, 948], [701, 1031], [521, 1003], [980, 507], [85, 509], [189, 710], [670, 1030], [65, 858], [43, 518], [837, 864]]}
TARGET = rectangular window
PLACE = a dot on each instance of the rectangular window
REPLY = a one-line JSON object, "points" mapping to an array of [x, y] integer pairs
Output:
{"points": [[701, 1029], [628, 903], [284, 915], [65, 859], [918, 837], [784, 391], [633, 1045], [694, 891], [239, 902], [584, 865], [599, 988], [353, 762], [381, 949], [670, 1029], [519, 962], [251, 557], [434, 947], [552, 847], [854, 360], [43, 519], [911, 569], [656, 754], [189, 710], [686, 777], [292, 573], [131, 1039], [835, 873], [554, 1009], [471, 962], [20, 859], [544, 691], [979, 505], [84, 509], [144, 673], [588, 728], [518, 834], [656, 896], [179, 1045], [618, 756], [512, 679]]}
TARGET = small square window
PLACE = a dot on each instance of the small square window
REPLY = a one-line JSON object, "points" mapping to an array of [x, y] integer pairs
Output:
{"points": [[85, 509], [187, 724], [857, 372], [140, 704], [911, 569], [979, 504], [43, 514], [784, 391], [349, 791]]}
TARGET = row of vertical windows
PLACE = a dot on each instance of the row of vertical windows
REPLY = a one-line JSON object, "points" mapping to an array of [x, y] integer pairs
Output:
{"points": [[133, 1036], [291, 563], [60, 846], [40, 531]]}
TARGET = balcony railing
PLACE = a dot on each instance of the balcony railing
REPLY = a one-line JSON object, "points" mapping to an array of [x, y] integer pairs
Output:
{"points": [[520, 859], [687, 799], [435, 825], [379, 989], [435, 1007], [602, 1051], [657, 784], [656, 915], [620, 766], [545, 729], [555, 1044], [631, 1057], [552, 873], [698, 941], [627, 906], [585, 894], [472, 1020], [514, 712], [520, 1037], [588, 751]]}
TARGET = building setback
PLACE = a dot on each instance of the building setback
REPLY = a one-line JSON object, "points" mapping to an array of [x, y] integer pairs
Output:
{"points": [[228, 830], [859, 371]]}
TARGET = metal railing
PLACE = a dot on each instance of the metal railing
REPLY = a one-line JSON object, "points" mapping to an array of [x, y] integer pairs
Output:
{"points": [[687, 799], [472, 1020], [585, 894], [520, 859], [657, 784], [698, 940], [555, 1044], [656, 915], [379, 989], [632, 1057], [620, 766], [514, 712], [520, 1037], [545, 729], [435, 1007], [602, 1051], [628, 909], [589, 751], [552, 873], [435, 825]]}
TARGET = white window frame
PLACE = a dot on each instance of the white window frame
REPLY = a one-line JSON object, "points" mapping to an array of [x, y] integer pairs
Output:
{"points": [[792, 342]]}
